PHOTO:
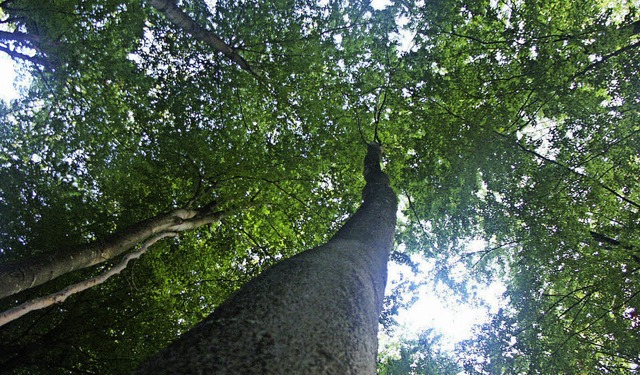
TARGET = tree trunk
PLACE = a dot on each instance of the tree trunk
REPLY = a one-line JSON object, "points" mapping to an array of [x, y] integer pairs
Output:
{"points": [[314, 313]]}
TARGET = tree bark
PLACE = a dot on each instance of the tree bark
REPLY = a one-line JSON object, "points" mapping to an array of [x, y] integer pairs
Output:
{"points": [[314, 313], [186, 23], [19, 276], [60, 296]]}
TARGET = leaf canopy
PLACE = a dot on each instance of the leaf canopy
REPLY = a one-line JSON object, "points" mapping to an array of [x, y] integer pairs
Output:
{"points": [[513, 122]]}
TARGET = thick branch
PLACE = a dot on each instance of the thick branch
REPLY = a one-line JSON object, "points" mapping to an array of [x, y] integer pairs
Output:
{"points": [[5, 3], [186, 23], [58, 297], [16, 277], [611, 242]]}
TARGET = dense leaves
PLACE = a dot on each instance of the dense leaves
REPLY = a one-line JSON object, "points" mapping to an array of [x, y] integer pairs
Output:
{"points": [[511, 122]]}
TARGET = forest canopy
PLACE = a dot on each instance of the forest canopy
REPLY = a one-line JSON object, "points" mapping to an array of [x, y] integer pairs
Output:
{"points": [[515, 124]]}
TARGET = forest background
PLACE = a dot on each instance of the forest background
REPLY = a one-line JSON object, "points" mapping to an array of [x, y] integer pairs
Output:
{"points": [[511, 134]]}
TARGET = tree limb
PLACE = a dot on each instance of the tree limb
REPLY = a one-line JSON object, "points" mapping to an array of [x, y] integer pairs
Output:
{"points": [[18, 36], [19, 276], [5, 3], [606, 57], [186, 23], [58, 297]]}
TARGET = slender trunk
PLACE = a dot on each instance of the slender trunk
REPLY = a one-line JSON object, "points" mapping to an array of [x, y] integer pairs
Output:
{"points": [[186, 23], [19, 276], [314, 313]]}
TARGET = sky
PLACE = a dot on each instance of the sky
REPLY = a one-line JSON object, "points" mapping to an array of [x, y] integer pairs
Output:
{"points": [[7, 77], [438, 308]]}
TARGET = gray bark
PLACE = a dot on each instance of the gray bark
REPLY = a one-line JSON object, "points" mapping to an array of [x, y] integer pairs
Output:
{"points": [[186, 23], [19, 276], [314, 313]]}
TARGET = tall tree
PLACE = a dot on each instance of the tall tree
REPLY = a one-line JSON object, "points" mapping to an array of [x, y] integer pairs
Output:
{"points": [[314, 313]]}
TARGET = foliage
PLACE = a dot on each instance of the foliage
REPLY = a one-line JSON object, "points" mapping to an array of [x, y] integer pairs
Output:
{"points": [[417, 357], [514, 122]]}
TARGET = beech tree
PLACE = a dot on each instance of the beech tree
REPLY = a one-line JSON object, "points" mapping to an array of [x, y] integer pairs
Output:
{"points": [[314, 313], [237, 128]]}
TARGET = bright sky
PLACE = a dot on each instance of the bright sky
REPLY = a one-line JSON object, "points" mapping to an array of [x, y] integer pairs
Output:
{"points": [[7, 77], [437, 307], [380, 4]]}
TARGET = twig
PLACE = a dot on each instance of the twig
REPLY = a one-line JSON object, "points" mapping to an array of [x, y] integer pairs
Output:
{"points": [[573, 171], [415, 213]]}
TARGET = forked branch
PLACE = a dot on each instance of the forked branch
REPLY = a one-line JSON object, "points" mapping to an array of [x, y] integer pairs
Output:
{"points": [[19, 276], [58, 297]]}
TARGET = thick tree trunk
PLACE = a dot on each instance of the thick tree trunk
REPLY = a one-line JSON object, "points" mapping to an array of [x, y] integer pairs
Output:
{"points": [[19, 276], [314, 313]]}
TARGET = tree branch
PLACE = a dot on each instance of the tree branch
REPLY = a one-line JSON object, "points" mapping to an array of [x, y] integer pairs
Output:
{"points": [[573, 171], [19, 276], [17, 36], [5, 3], [593, 322], [186, 23], [606, 57], [427, 251], [59, 297]]}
